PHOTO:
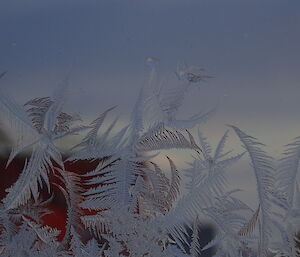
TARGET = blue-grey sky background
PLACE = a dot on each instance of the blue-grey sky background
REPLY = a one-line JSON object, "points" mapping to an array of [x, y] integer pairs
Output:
{"points": [[251, 47]]}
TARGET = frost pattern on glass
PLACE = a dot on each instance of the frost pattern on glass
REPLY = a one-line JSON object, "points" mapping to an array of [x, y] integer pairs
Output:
{"points": [[128, 205]]}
